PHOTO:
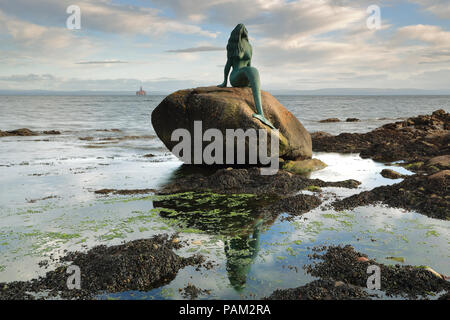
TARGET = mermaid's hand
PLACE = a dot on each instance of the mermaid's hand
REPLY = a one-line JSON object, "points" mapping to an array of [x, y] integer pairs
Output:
{"points": [[222, 85]]}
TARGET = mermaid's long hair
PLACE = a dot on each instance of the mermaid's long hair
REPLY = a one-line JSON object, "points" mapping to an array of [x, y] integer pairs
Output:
{"points": [[234, 46]]}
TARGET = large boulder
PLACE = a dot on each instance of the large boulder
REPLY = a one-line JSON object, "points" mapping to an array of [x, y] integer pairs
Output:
{"points": [[230, 108]]}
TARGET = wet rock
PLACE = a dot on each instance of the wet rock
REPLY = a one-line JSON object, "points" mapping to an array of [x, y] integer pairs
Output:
{"points": [[352, 120], [136, 265], [26, 132], [125, 191], [109, 130], [441, 177], [229, 108], [320, 134], [330, 120], [343, 264], [323, 289], [303, 166], [18, 132], [294, 206], [41, 199], [249, 180], [191, 292], [425, 194], [420, 137], [391, 174], [442, 162]]}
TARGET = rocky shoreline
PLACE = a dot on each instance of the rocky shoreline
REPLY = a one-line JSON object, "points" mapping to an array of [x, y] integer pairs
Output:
{"points": [[25, 132], [139, 265], [414, 139], [422, 143], [426, 194], [343, 275]]}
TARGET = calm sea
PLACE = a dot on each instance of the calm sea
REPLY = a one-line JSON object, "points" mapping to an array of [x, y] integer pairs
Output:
{"points": [[47, 203]]}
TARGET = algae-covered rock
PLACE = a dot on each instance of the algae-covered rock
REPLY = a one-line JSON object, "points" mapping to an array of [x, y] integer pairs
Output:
{"points": [[303, 166], [391, 174]]}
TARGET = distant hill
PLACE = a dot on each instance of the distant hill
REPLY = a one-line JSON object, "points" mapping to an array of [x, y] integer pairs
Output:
{"points": [[318, 92], [361, 91], [74, 93]]}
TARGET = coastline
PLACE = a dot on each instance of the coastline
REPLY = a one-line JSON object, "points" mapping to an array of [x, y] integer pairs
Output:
{"points": [[275, 200]]}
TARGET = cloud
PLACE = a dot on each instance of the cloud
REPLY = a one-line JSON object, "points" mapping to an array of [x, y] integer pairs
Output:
{"points": [[301, 44], [197, 49], [426, 33], [104, 16], [440, 8], [32, 41], [28, 78], [101, 62], [271, 18], [51, 82]]}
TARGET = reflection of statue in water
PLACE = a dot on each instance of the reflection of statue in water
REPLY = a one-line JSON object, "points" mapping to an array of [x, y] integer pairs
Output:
{"points": [[239, 56], [240, 253]]}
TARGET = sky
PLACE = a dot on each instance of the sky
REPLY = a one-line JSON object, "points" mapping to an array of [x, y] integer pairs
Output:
{"points": [[166, 45]]}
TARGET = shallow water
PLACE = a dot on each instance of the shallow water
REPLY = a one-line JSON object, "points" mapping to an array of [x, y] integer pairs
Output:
{"points": [[261, 255]]}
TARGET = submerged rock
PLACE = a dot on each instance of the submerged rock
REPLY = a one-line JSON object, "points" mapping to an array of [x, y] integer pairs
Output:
{"points": [[18, 132], [52, 132], [229, 108], [330, 120], [26, 132], [293, 206], [124, 191]]}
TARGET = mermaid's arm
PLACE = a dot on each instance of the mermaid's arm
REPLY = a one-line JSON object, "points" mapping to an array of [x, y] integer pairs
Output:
{"points": [[226, 71]]}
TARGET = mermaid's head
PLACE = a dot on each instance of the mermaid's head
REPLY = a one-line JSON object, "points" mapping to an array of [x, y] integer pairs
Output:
{"points": [[234, 46]]}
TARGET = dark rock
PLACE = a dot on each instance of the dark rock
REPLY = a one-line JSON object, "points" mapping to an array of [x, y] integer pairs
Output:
{"points": [[330, 120], [352, 120], [124, 191], [425, 194], [346, 265], [249, 181], [26, 132], [18, 132], [420, 137], [294, 206], [136, 265], [320, 134], [441, 162], [321, 290], [191, 292]]}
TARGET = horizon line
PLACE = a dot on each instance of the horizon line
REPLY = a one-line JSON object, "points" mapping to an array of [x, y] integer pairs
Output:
{"points": [[319, 92]]}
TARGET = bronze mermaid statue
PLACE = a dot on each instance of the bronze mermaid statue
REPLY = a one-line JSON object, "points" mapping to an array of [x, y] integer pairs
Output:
{"points": [[239, 56]]}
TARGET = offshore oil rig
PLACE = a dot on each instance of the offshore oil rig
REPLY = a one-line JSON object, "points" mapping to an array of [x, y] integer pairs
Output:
{"points": [[141, 92]]}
